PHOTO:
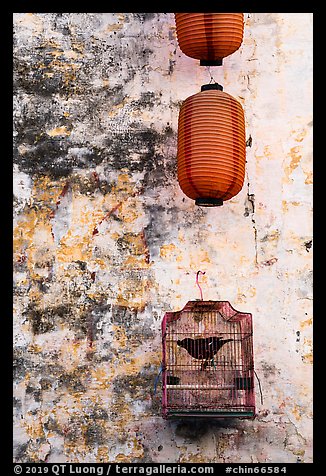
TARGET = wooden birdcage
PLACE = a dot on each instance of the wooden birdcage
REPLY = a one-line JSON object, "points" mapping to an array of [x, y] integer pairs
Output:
{"points": [[208, 365]]}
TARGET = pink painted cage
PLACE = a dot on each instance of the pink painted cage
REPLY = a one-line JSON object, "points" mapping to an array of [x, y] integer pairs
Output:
{"points": [[207, 364]]}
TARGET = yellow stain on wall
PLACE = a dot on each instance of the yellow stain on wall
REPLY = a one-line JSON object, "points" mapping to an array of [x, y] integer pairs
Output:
{"points": [[124, 184], [309, 177], [136, 363], [197, 258], [77, 45], [167, 251], [130, 297], [266, 154], [307, 322], [59, 63], [73, 54], [295, 157], [252, 291], [58, 131], [102, 376], [121, 458], [137, 449], [181, 237], [102, 454], [32, 235], [192, 458], [171, 252], [274, 235], [114, 27], [299, 135], [116, 109], [267, 151], [297, 412], [78, 242], [286, 204], [139, 262], [34, 349], [72, 248], [136, 452], [33, 426], [307, 356], [128, 212], [71, 353]]}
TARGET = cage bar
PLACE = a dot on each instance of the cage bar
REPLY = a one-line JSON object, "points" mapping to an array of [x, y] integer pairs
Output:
{"points": [[208, 365]]}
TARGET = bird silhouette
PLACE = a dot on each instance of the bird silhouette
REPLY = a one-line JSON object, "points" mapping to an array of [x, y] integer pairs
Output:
{"points": [[203, 349]]}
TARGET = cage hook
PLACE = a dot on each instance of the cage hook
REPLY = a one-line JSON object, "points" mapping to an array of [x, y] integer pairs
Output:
{"points": [[201, 292]]}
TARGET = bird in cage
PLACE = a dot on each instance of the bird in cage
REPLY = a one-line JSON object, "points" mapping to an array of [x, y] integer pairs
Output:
{"points": [[203, 349]]}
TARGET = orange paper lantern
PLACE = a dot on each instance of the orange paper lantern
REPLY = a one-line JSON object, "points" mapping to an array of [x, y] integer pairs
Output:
{"points": [[209, 37], [211, 151]]}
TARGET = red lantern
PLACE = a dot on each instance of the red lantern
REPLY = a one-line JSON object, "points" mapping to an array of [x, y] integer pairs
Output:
{"points": [[209, 37], [211, 152]]}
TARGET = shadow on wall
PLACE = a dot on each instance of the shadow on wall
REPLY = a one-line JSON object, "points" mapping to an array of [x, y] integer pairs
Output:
{"points": [[195, 429]]}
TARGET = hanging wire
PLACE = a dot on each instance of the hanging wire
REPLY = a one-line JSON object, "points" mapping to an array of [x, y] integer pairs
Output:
{"points": [[261, 393], [157, 378], [210, 74], [201, 292]]}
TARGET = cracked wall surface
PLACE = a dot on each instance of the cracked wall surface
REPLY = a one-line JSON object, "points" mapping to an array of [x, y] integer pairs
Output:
{"points": [[105, 242]]}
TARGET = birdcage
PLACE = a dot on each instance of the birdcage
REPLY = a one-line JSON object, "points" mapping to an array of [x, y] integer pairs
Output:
{"points": [[207, 366]]}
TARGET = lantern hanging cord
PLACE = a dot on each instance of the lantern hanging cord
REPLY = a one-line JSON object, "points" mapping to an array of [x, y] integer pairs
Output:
{"points": [[209, 72], [201, 292]]}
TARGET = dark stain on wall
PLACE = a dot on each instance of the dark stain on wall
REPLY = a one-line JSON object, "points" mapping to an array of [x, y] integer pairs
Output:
{"points": [[308, 245], [144, 16], [35, 392], [90, 184], [144, 143], [17, 404], [75, 381], [21, 363], [51, 157], [73, 432], [98, 413], [192, 430], [94, 434], [45, 320], [56, 158], [21, 454], [136, 385], [123, 315]]}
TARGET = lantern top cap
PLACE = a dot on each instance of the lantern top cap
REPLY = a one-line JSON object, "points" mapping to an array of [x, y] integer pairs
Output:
{"points": [[206, 87]]}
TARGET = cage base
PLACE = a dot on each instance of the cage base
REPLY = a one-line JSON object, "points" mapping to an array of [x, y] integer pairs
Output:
{"points": [[170, 414]]}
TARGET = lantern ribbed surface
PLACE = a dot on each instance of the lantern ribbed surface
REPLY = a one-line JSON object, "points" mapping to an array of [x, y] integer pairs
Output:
{"points": [[211, 152], [209, 36]]}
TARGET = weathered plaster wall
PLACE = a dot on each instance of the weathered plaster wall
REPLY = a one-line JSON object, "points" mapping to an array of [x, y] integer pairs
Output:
{"points": [[105, 241]]}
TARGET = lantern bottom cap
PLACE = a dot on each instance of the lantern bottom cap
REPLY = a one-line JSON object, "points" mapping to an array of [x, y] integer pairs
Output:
{"points": [[217, 62], [209, 202]]}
